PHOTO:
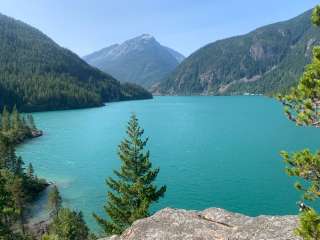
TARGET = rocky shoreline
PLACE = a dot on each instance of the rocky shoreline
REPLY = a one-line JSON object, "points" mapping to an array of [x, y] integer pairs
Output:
{"points": [[33, 134], [210, 224], [38, 216], [36, 133]]}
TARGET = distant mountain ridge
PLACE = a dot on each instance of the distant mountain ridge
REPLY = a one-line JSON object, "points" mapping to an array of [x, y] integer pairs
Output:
{"points": [[267, 60], [36, 74], [141, 60]]}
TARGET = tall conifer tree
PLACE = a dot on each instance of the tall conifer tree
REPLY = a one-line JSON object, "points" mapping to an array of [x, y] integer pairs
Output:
{"points": [[6, 210], [68, 225], [15, 119], [5, 120], [30, 171], [133, 191], [31, 123], [19, 199]]}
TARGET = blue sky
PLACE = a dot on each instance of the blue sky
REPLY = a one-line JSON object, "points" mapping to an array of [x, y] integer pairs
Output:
{"points": [[185, 25]]}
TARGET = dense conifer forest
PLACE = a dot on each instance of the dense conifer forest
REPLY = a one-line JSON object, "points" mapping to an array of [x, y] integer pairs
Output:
{"points": [[36, 74]]}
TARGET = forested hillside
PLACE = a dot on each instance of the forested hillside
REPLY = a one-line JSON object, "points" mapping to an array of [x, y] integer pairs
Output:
{"points": [[37, 74], [267, 60]]}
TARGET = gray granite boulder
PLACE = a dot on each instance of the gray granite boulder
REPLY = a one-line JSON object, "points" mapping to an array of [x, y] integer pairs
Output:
{"points": [[210, 224]]}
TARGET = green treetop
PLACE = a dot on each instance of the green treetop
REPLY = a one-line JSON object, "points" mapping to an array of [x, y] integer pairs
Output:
{"points": [[7, 212], [30, 171], [16, 119], [8, 157], [309, 228], [54, 201], [31, 123], [68, 225], [19, 199], [133, 191], [5, 120], [305, 165]]}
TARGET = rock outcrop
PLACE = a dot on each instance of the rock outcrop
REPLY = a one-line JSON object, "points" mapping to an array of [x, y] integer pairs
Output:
{"points": [[210, 224], [38, 229]]}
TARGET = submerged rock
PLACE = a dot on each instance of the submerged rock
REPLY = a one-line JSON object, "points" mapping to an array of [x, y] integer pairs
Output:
{"points": [[210, 224]]}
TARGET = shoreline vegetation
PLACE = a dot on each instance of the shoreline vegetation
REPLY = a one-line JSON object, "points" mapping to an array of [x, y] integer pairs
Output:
{"points": [[19, 185], [18, 128]]}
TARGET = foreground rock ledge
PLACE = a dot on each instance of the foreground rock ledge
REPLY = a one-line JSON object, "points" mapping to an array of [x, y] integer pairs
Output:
{"points": [[210, 224]]}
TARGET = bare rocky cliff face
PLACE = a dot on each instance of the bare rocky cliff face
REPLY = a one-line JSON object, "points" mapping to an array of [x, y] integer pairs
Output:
{"points": [[213, 224]]}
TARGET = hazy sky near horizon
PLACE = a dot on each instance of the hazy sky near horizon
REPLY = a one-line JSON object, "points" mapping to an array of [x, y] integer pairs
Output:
{"points": [[85, 26]]}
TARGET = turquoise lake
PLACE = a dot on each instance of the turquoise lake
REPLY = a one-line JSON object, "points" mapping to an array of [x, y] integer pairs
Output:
{"points": [[212, 152]]}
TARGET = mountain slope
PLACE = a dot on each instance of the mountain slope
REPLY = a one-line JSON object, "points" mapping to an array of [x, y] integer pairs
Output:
{"points": [[267, 60], [37, 74], [140, 60], [178, 56]]}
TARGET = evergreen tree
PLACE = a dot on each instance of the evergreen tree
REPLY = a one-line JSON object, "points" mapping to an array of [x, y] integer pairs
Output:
{"points": [[4, 145], [302, 106], [8, 158], [309, 228], [18, 130], [5, 120], [68, 225], [133, 191], [19, 199], [31, 123], [15, 118], [54, 201], [6, 211], [18, 167], [16, 127], [30, 171]]}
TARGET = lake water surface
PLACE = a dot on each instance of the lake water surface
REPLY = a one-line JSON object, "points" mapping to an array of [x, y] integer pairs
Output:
{"points": [[212, 152]]}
